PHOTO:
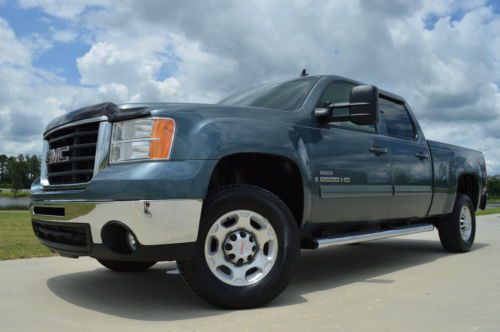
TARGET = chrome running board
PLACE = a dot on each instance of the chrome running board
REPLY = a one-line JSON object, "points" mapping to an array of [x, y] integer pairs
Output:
{"points": [[327, 242]]}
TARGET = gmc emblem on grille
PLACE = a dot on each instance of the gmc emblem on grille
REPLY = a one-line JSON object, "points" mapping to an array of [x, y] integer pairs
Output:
{"points": [[55, 156]]}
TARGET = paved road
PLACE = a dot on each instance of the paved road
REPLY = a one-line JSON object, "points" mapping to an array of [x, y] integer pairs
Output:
{"points": [[405, 284]]}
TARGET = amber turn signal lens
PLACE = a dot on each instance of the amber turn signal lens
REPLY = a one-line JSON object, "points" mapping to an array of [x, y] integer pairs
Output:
{"points": [[163, 137]]}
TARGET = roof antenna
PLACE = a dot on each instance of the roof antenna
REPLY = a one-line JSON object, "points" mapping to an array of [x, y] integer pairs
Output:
{"points": [[304, 73]]}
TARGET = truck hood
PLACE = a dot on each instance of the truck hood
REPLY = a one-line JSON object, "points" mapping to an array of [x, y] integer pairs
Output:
{"points": [[136, 110]]}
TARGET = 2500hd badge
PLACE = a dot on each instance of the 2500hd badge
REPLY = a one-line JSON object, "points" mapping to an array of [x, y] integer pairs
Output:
{"points": [[234, 191]]}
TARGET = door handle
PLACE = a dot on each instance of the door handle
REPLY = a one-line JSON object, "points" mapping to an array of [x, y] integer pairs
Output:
{"points": [[421, 155], [378, 151]]}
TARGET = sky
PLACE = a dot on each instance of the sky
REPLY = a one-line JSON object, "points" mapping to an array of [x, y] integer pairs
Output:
{"points": [[59, 55]]}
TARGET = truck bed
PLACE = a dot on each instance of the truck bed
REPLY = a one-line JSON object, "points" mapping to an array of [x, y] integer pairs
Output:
{"points": [[449, 162]]}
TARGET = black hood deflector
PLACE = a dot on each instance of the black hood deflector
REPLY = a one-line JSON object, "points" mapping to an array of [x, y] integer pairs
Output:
{"points": [[111, 110]]}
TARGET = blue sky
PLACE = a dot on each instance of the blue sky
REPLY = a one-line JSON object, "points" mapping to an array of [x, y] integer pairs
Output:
{"points": [[58, 55], [61, 57]]}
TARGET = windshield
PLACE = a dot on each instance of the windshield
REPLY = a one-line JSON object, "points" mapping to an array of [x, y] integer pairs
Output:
{"points": [[279, 95]]}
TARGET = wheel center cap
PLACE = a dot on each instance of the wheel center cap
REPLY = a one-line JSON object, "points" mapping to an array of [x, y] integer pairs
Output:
{"points": [[240, 247]]}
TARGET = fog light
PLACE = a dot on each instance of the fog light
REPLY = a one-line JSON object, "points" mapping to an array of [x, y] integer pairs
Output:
{"points": [[131, 241]]}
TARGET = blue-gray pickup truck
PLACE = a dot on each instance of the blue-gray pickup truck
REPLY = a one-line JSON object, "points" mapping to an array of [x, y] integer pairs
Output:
{"points": [[233, 191]]}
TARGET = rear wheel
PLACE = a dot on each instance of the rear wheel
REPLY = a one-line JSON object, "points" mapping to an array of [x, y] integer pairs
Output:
{"points": [[458, 230], [124, 266], [247, 251]]}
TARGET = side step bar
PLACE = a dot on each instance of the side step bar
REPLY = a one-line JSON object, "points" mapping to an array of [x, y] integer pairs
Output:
{"points": [[327, 242]]}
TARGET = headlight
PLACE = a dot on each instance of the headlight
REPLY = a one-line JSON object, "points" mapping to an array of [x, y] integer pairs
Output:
{"points": [[142, 139]]}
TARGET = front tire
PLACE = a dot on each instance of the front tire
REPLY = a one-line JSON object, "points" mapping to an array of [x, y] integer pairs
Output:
{"points": [[458, 230], [125, 266], [248, 248]]}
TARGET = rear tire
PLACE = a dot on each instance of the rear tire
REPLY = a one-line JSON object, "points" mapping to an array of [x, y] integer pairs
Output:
{"points": [[125, 266], [231, 267], [458, 230]]}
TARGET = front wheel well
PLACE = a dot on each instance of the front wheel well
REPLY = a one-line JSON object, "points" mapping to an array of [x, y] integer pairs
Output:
{"points": [[279, 175]]}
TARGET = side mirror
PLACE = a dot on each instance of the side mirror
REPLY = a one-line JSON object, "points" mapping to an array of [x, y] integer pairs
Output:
{"points": [[362, 106]]}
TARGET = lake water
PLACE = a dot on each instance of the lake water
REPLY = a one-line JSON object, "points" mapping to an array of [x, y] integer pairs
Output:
{"points": [[11, 203]]}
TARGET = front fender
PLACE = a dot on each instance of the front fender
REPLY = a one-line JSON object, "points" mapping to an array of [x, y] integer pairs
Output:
{"points": [[218, 138]]}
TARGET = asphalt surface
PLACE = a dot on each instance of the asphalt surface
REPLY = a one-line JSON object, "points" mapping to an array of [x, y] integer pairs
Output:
{"points": [[403, 284]]}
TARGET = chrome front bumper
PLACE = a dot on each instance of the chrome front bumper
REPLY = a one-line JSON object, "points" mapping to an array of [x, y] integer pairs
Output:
{"points": [[154, 222]]}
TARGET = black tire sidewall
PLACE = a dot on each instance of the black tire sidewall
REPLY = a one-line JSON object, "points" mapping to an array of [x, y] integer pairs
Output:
{"points": [[449, 229], [461, 201], [269, 206]]}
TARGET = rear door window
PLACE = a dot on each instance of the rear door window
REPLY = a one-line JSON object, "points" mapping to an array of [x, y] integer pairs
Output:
{"points": [[396, 118]]}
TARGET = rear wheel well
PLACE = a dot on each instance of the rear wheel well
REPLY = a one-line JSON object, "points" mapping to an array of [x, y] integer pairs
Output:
{"points": [[468, 184], [279, 175]]}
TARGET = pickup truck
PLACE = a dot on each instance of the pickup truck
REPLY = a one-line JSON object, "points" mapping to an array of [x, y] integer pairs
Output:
{"points": [[233, 191]]}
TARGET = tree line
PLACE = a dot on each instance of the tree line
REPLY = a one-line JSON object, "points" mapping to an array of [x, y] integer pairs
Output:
{"points": [[494, 185], [18, 172]]}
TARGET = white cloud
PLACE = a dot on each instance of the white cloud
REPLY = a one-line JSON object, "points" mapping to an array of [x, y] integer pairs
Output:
{"points": [[114, 91], [37, 44], [166, 90], [110, 62], [129, 76], [63, 36], [12, 51], [29, 97], [444, 72], [63, 8], [200, 51]]}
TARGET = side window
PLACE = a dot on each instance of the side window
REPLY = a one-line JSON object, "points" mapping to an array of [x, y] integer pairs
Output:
{"points": [[396, 118], [339, 92]]}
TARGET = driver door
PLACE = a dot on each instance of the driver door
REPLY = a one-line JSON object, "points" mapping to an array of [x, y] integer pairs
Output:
{"points": [[351, 167]]}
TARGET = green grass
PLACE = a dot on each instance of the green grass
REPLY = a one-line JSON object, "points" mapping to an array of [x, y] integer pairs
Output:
{"points": [[487, 211], [16, 237], [8, 193], [493, 198]]}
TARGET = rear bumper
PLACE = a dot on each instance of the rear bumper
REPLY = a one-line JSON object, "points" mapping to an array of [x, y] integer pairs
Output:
{"points": [[163, 229]]}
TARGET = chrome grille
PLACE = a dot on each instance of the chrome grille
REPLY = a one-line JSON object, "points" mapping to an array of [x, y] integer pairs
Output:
{"points": [[79, 144]]}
